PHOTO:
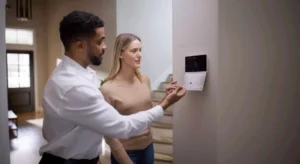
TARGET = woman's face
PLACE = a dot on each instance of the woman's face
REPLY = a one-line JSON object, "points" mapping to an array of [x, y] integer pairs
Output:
{"points": [[131, 56]]}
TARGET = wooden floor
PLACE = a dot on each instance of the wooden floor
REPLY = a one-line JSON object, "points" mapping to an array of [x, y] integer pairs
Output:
{"points": [[25, 148]]}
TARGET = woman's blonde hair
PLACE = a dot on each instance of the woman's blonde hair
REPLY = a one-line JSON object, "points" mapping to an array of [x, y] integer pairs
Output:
{"points": [[122, 42]]}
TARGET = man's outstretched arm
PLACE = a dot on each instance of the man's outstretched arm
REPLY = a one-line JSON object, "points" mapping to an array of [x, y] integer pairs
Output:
{"points": [[83, 106]]}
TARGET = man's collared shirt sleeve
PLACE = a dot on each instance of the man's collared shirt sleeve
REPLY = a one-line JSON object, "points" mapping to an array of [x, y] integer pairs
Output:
{"points": [[87, 108]]}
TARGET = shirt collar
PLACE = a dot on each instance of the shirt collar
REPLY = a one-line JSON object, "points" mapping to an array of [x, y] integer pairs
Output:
{"points": [[86, 72]]}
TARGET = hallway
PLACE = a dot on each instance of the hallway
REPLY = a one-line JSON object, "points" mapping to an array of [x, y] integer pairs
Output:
{"points": [[24, 149]]}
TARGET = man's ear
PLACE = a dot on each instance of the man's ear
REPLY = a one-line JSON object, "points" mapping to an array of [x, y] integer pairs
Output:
{"points": [[80, 44]]}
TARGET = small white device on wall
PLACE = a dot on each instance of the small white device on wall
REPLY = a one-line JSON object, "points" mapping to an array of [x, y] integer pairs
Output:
{"points": [[195, 72]]}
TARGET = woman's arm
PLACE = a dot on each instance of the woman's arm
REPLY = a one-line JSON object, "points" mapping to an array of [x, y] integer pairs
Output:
{"points": [[118, 150], [115, 145]]}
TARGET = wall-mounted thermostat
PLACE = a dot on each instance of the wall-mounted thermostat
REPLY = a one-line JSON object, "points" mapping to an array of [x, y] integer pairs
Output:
{"points": [[195, 72]]}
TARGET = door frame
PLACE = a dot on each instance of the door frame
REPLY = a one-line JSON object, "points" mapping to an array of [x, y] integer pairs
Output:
{"points": [[31, 61]]}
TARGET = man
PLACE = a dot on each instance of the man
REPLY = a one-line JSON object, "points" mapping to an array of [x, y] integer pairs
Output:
{"points": [[76, 114]]}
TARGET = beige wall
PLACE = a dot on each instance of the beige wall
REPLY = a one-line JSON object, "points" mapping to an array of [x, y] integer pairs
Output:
{"points": [[48, 47], [195, 28], [248, 112], [38, 24], [259, 54], [56, 9]]}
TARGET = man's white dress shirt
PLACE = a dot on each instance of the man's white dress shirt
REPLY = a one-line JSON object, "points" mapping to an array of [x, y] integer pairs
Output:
{"points": [[77, 116]]}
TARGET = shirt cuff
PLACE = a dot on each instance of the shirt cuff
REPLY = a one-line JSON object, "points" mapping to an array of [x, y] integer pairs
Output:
{"points": [[157, 112]]}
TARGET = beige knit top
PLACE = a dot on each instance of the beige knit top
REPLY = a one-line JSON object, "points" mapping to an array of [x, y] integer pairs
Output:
{"points": [[128, 99]]}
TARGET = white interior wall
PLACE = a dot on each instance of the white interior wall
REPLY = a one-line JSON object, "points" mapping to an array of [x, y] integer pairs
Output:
{"points": [[152, 22], [4, 140]]}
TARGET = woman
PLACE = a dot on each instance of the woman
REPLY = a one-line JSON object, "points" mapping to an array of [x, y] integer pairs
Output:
{"points": [[129, 92]]}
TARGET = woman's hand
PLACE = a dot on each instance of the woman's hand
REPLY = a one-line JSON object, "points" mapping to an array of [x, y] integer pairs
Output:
{"points": [[171, 87]]}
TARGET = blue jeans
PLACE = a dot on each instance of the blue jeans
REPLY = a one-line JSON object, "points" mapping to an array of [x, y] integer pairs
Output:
{"points": [[145, 156]]}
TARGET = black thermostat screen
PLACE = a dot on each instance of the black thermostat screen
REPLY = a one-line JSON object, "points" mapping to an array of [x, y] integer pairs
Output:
{"points": [[195, 63]]}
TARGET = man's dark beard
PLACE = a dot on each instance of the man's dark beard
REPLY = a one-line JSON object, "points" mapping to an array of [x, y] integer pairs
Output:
{"points": [[95, 61]]}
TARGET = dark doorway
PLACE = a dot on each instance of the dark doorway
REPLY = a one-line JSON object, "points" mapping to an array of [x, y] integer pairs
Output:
{"points": [[20, 81]]}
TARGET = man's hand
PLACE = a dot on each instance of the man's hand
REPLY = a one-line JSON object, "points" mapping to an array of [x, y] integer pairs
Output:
{"points": [[173, 96]]}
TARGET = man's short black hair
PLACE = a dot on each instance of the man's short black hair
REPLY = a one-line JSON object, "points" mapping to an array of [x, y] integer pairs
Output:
{"points": [[78, 25]]}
